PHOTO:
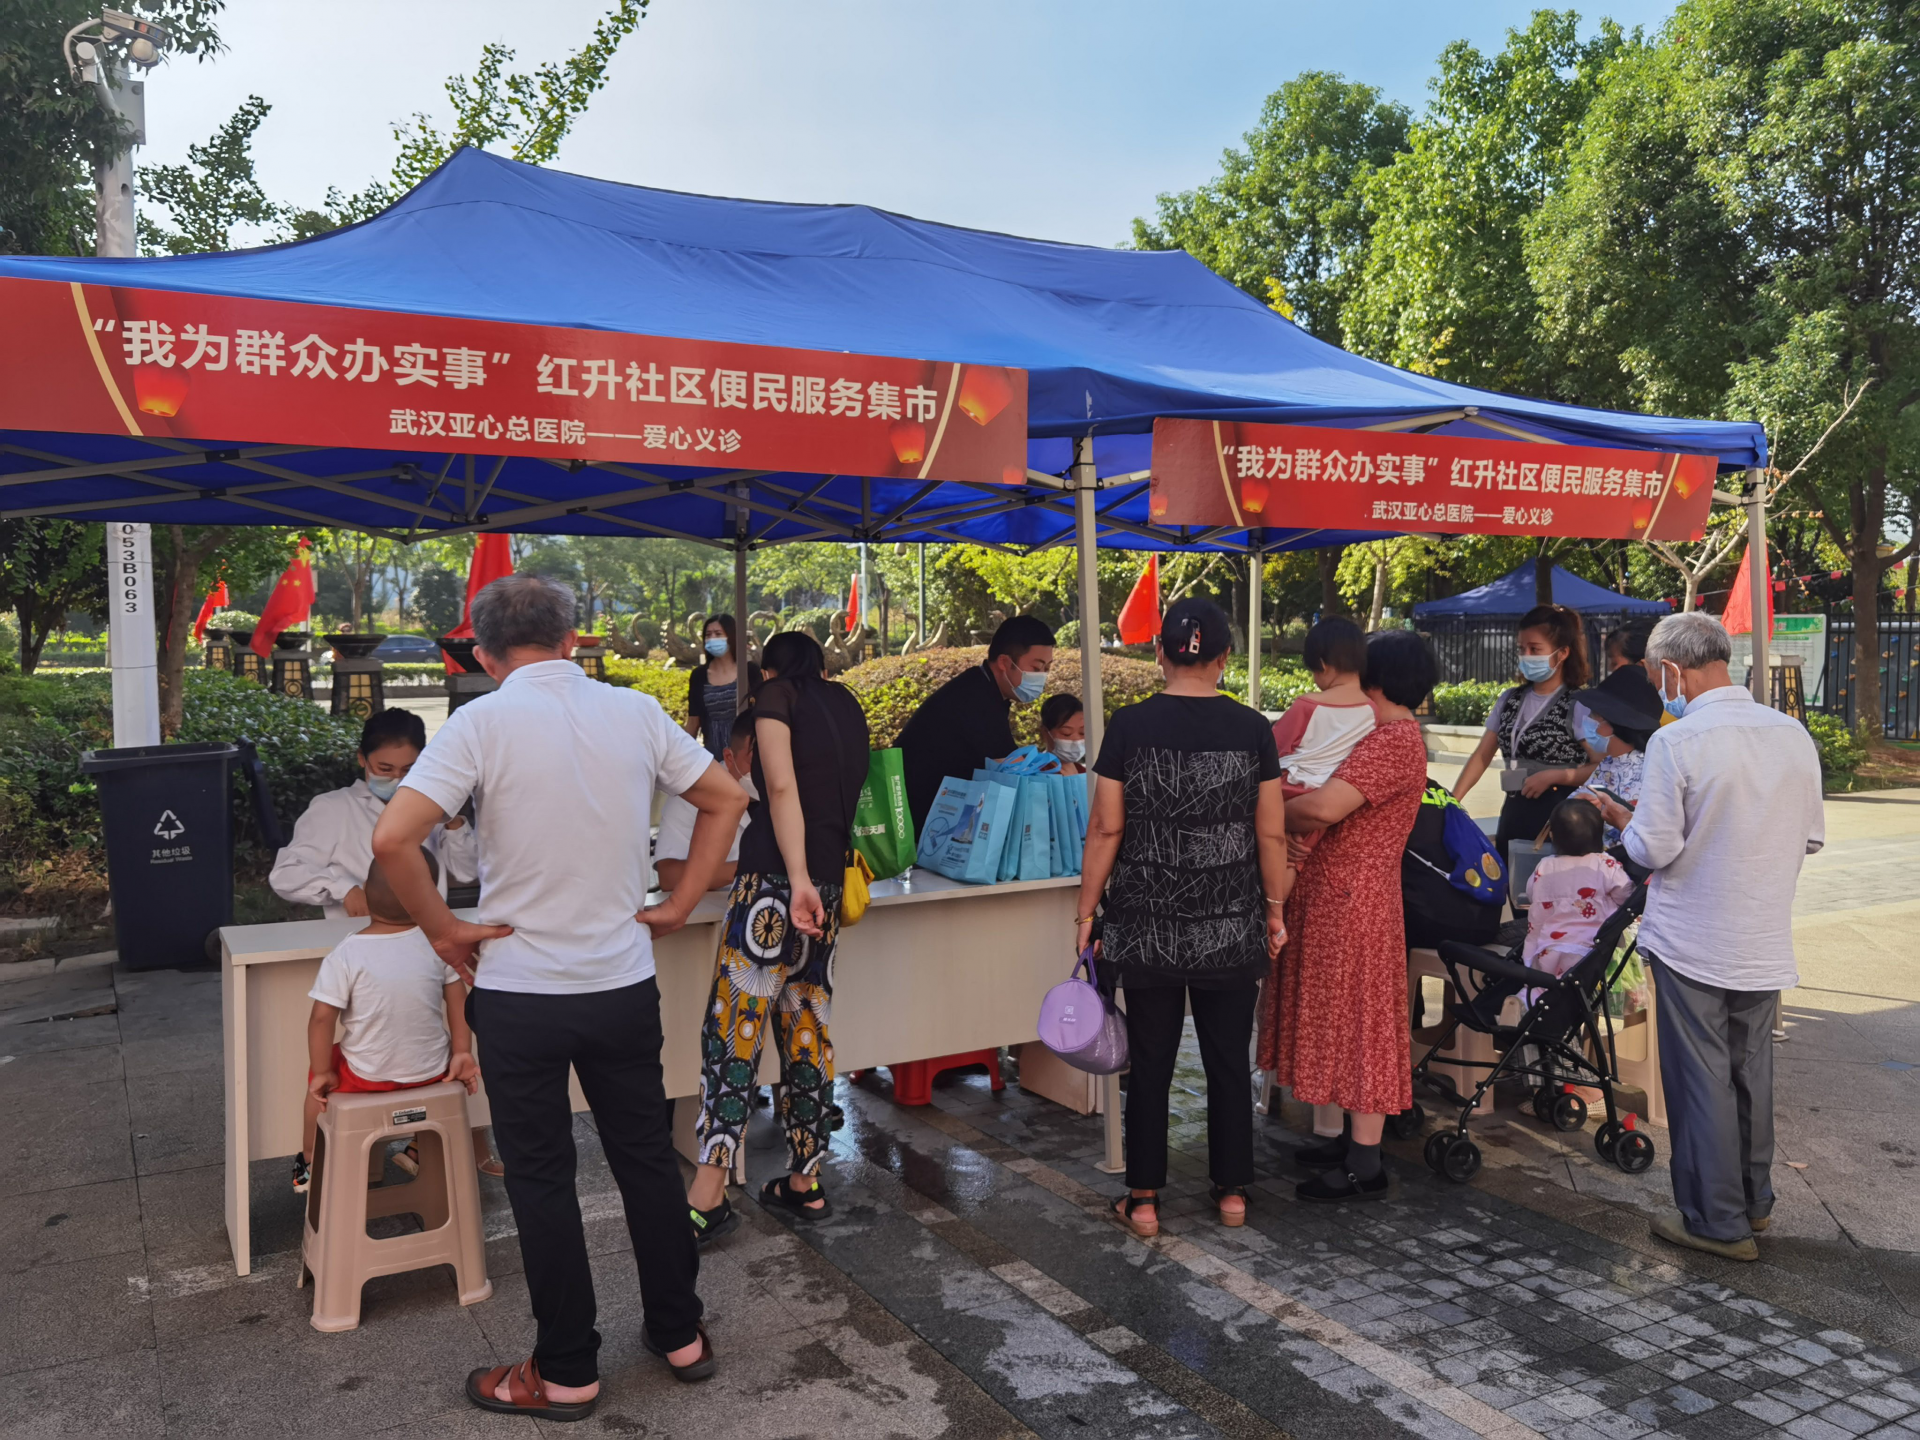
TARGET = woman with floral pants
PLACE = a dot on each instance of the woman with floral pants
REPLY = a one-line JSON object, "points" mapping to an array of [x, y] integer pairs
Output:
{"points": [[775, 966]]}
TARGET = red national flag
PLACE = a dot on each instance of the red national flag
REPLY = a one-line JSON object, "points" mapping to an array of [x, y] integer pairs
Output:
{"points": [[216, 599], [492, 559], [1140, 616], [288, 606], [853, 605], [1738, 616]]}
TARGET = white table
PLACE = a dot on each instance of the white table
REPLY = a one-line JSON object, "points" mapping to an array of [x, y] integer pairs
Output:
{"points": [[934, 968]]}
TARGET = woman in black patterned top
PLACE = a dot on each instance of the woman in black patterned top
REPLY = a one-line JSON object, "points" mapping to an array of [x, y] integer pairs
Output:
{"points": [[1536, 726], [1187, 853]]}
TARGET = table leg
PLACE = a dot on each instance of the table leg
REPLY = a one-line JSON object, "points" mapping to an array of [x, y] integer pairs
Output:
{"points": [[239, 1199]]}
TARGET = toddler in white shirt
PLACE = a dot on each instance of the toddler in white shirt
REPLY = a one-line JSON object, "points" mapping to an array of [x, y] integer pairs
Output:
{"points": [[1573, 891]]}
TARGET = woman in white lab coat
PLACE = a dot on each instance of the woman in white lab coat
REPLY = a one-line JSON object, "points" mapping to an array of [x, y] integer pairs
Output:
{"points": [[332, 846]]}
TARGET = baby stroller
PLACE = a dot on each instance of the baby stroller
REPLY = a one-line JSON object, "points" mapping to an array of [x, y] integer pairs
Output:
{"points": [[1564, 1038]]}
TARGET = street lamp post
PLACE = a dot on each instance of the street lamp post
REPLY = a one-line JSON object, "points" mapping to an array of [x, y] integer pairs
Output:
{"points": [[103, 53]]}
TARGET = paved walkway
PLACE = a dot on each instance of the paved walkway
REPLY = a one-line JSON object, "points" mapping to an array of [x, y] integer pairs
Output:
{"points": [[968, 1284]]}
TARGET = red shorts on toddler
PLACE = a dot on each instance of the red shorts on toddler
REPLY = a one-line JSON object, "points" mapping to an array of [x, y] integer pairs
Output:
{"points": [[352, 1084]]}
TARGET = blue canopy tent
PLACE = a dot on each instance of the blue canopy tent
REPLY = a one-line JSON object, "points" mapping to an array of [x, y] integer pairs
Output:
{"points": [[1513, 594]]}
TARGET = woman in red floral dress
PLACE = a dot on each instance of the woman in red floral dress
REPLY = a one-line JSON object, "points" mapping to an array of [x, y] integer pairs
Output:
{"points": [[1334, 1019]]}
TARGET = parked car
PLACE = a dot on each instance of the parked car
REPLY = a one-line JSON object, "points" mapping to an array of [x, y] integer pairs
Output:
{"points": [[407, 649]]}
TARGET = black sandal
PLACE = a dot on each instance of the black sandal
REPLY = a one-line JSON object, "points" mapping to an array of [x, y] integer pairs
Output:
{"points": [[526, 1393], [698, 1370], [778, 1194], [1124, 1207], [1230, 1218], [710, 1225]]}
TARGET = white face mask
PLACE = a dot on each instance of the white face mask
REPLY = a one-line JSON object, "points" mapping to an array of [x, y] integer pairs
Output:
{"points": [[384, 787], [1074, 750]]}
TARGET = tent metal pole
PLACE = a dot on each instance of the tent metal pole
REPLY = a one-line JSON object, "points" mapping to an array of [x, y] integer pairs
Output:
{"points": [[1256, 573], [866, 566], [923, 593], [1760, 585], [1085, 492], [742, 626]]}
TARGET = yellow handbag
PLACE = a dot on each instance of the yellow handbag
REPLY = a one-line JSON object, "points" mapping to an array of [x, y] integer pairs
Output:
{"points": [[855, 889]]}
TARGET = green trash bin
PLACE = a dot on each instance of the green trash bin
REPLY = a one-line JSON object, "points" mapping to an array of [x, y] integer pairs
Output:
{"points": [[167, 813]]}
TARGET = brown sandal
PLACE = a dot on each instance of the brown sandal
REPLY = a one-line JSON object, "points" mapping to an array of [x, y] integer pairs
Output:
{"points": [[1124, 1207], [1230, 1218], [526, 1393]]}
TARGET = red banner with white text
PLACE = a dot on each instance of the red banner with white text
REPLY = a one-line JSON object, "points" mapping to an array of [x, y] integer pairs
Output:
{"points": [[1209, 472], [113, 360]]}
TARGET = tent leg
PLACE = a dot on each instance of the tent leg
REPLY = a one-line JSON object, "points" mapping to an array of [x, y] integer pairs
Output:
{"points": [[742, 626], [1760, 586], [1085, 538], [1256, 573]]}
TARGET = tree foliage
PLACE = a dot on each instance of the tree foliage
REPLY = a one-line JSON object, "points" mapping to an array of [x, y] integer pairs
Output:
{"points": [[48, 568]]}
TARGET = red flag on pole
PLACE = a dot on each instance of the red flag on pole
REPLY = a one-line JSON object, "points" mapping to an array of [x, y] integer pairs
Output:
{"points": [[288, 606], [1140, 616], [1738, 616], [853, 605], [492, 559], [216, 599]]}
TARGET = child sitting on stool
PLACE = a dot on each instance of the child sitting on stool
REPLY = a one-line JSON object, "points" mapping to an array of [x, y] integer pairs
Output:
{"points": [[404, 1012]]}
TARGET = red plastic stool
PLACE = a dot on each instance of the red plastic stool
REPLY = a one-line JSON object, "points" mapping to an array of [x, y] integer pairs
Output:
{"points": [[913, 1081]]}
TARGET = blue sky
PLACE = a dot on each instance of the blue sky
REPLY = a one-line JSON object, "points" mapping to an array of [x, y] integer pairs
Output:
{"points": [[1052, 118]]}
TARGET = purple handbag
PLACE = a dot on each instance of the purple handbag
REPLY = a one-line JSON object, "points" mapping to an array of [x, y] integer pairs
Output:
{"points": [[1082, 1026]]}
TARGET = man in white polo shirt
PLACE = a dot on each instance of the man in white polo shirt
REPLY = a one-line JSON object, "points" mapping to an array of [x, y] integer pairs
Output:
{"points": [[1729, 808], [561, 770]]}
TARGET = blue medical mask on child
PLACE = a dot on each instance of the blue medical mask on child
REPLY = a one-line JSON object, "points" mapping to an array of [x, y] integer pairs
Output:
{"points": [[1029, 686], [383, 787], [716, 645], [1535, 668], [1590, 732]]}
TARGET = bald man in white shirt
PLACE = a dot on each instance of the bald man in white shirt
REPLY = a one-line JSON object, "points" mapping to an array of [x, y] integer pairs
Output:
{"points": [[1730, 806], [561, 770]]}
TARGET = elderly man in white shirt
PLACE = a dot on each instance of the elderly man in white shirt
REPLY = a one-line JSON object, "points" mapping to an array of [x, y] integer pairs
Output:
{"points": [[561, 770], [1729, 807]]}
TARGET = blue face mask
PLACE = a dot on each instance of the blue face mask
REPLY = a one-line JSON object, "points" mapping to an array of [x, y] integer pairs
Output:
{"points": [[1535, 668], [1677, 706], [716, 645], [1031, 683], [383, 787]]}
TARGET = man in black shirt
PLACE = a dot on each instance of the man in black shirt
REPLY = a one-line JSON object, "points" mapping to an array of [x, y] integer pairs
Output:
{"points": [[966, 721]]}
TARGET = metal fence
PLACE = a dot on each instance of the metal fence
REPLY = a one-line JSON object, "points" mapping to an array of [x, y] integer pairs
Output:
{"points": [[1899, 673]]}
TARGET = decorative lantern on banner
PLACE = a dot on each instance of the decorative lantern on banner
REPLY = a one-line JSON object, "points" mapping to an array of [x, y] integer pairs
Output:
{"points": [[359, 679]]}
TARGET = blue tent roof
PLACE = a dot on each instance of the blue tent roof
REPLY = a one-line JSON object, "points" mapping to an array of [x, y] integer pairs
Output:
{"points": [[1110, 339], [1513, 594]]}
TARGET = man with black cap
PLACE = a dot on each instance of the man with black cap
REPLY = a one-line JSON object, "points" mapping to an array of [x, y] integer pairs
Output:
{"points": [[966, 722], [1623, 711]]}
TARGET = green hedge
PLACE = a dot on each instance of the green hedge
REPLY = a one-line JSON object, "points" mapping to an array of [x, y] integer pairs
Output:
{"points": [[892, 688], [1840, 749], [1467, 702], [666, 683]]}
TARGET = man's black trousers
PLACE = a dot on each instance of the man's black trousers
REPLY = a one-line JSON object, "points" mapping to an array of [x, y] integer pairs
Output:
{"points": [[611, 1038]]}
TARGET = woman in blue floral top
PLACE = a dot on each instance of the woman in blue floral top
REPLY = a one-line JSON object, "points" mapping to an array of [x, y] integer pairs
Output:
{"points": [[1623, 711]]}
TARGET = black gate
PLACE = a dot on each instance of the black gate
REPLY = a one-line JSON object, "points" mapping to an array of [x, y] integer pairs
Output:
{"points": [[1481, 647], [1899, 673]]}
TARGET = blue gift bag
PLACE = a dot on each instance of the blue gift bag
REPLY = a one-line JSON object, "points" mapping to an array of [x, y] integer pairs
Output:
{"points": [[965, 828]]}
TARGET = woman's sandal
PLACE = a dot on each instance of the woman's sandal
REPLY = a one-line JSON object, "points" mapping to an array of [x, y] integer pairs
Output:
{"points": [[778, 1194], [1230, 1218], [710, 1225], [690, 1374], [1124, 1207], [526, 1393], [493, 1166]]}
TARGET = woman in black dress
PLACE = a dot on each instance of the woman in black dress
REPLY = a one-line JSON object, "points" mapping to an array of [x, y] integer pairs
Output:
{"points": [[712, 688]]}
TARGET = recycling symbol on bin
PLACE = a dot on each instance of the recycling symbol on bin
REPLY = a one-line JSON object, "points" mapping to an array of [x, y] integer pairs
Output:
{"points": [[169, 826]]}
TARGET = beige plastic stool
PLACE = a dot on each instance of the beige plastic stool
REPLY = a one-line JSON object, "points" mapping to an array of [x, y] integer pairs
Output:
{"points": [[1467, 1045], [335, 1248]]}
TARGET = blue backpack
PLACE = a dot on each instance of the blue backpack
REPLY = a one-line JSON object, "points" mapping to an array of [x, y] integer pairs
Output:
{"points": [[1474, 866]]}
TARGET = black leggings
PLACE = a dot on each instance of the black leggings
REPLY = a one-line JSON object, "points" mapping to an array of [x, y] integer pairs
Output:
{"points": [[1223, 1022]]}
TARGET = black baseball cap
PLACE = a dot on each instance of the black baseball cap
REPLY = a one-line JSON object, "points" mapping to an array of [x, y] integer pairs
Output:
{"points": [[1195, 632]]}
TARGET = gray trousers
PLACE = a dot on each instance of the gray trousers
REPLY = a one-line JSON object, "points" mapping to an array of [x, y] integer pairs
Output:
{"points": [[1716, 1062]]}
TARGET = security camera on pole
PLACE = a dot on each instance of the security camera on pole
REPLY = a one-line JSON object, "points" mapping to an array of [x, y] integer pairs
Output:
{"points": [[99, 53]]}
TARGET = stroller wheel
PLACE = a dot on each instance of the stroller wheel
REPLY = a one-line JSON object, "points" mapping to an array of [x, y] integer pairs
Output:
{"points": [[1569, 1112], [1407, 1123], [1543, 1104], [1605, 1138], [1462, 1159], [1633, 1151], [1436, 1150]]}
